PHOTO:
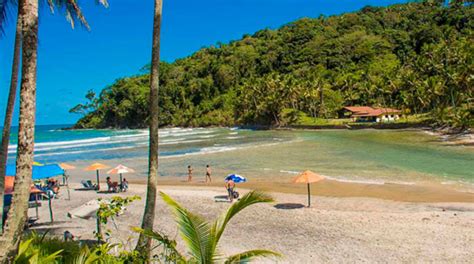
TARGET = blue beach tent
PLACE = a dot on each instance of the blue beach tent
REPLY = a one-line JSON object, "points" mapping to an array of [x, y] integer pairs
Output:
{"points": [[39, 172]]}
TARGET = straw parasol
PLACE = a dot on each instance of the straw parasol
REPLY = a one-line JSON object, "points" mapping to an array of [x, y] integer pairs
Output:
{"points": [[121, 169], [308, 177], [96, 167], [66, 166]]}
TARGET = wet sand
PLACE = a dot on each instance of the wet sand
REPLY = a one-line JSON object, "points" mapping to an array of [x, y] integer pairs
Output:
{"points": [[331, 188], [419, 192]]}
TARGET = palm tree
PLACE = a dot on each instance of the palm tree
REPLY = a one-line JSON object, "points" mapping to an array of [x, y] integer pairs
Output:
{"points": [[28, 17], [72, 12], [202, 238], [144, 243], [9, 113], [28, 13]]}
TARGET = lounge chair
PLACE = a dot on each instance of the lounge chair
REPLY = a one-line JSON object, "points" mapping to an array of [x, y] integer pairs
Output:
{"points": [[88, 185]]}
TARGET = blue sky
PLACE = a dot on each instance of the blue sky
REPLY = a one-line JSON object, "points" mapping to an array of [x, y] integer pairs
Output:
{"points": [[70, 62]]}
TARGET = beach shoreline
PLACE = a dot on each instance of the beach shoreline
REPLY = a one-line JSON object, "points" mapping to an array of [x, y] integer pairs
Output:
{"points": [[410, 192]]}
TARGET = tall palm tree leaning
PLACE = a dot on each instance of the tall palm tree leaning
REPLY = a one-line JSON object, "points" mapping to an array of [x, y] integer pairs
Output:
{"points": [[202, 238], [144, 242], [17, 216], [10, 107], [18, 213], [72, 12]]}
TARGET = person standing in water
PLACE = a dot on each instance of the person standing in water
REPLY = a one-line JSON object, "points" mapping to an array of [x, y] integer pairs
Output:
{"points": [[208, 173], [190, 173]]}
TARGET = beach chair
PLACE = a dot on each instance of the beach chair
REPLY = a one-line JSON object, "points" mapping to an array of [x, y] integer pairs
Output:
{"points": [[88, 185]]}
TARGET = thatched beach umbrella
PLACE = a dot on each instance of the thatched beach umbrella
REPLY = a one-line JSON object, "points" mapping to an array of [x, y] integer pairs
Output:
{"points": [[96, 167], [308, 177], [66, 167], [121, 169]]}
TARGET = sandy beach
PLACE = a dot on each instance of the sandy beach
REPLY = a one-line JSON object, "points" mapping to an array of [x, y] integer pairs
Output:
{"points": [[333, 230]]}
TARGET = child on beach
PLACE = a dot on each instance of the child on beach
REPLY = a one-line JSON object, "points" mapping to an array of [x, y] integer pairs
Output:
{"points": [[124, 185], [190, 173], [208, 173]]}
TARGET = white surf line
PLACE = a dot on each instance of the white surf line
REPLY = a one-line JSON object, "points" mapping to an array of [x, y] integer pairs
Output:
{"points": [[211, 150], [84, 151]]}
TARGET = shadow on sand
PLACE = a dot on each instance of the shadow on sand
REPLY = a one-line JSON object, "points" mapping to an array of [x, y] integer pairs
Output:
{"points": [[289, 206], [221, 199]]}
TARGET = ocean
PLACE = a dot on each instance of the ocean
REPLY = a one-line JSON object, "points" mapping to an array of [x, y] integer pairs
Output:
{"points": [[369, 156]]}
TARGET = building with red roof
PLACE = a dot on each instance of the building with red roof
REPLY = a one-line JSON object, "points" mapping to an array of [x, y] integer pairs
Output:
{"points": [[372, 114]]}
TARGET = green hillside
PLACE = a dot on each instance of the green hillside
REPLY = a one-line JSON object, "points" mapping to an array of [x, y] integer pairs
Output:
{"points": [[418, 57]]}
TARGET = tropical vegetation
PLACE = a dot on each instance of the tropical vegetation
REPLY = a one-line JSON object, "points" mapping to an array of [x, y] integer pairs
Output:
{"points": [[416, 57]]}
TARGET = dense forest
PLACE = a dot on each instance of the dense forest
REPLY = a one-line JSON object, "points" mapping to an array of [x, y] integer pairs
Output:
{"points": [[418, 57]]}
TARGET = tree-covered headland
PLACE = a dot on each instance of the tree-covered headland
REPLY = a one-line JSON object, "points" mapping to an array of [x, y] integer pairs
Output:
{"points": [[417, 57]]}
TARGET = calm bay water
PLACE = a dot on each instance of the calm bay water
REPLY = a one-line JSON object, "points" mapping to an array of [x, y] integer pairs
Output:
{"points": [[364, 155]]}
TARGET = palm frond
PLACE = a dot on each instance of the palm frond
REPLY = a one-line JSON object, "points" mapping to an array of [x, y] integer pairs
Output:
{"points": [[247, 256], [165, 241], [105, 3], [194, 230], [3, 15], [86, 256], [71, 10], [250, 198]]}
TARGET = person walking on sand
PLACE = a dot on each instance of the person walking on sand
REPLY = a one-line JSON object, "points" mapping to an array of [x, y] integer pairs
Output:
{"points": [[208, 173], [230, 185], [190, 173]]}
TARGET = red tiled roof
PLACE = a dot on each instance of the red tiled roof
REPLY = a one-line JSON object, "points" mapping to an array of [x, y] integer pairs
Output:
{"points": [[359, 109], [369, 111]]}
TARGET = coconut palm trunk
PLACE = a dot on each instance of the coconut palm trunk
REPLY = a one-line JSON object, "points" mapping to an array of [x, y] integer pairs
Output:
{"points": [[144, 243], [17, 215], [9, 114]]}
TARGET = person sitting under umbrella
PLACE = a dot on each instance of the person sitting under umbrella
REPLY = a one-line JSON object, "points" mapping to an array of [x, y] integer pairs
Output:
{"points": [[112, 186]]}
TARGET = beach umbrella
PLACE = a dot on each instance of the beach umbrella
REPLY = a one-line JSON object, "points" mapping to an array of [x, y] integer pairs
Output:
{"points": [[308, 177], [96, 167], [9, 182], [66, 167], [39, 171], [236, 178], [121, 169]]}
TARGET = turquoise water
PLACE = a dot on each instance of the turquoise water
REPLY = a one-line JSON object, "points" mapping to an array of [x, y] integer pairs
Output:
{"points": [[377, 156]]}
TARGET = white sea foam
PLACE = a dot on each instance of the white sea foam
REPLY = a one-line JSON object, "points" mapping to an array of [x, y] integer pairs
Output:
{"points": [[207, 136], [365, 181], [289, 172], [218, 149], [181, 142], [191, 133], [233, 137], [83, 151], [43, 148], [69, 142]]}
